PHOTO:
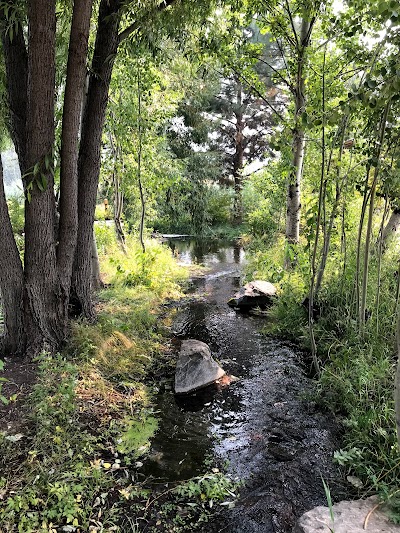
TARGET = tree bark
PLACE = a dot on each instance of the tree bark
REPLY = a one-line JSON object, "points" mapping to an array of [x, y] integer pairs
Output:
{"points": [[44, 306], [238, 158], [106, 46], [293, 204], [74, 93], [11, 282], [16, 63], [391, 229]]}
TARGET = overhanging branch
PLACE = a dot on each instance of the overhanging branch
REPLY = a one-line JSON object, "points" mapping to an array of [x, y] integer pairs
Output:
{"points": [[136, 25]]}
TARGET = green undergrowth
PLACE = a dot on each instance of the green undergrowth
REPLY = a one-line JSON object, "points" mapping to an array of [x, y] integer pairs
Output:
{"points": [[358, 371], [90, 417]]}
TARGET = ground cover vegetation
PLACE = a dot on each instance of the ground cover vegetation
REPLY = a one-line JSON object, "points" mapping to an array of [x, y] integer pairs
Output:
{"points": [[273, 120]]}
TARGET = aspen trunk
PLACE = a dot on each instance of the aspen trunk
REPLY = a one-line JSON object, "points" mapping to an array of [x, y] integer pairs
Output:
{"points": [[293, 203], [364, 285], [238, 159], [391, 229]]}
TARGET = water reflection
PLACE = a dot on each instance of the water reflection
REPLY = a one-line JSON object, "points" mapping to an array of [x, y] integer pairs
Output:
{"points": [[206, 251]]}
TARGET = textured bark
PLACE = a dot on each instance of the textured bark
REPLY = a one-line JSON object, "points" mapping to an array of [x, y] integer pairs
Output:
{"points": [[45, 318], [238, 159], [293, 204], [106, 46], [16, 63], [11, 282], [74, 93], [391, 229]]}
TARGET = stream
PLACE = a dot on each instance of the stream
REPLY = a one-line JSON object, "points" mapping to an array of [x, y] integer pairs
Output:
{"points": [[264, 429]]}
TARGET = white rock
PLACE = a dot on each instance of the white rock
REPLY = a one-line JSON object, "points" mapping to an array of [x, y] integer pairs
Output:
{"points": [[349, 517]]}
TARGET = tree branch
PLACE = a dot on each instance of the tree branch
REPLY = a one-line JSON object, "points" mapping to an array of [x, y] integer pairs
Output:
{"points": [[240, 75], [136, 25]]}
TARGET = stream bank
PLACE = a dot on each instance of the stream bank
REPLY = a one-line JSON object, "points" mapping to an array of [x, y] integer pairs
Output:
{"points": [[265, 429]]}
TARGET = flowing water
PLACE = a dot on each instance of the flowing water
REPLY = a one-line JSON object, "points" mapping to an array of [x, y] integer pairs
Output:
{"points": [[265, 428]]}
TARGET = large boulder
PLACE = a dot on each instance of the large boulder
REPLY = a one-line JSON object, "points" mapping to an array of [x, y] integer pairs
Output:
{"points": [[257, 293], [195, 367], [356, 516]]}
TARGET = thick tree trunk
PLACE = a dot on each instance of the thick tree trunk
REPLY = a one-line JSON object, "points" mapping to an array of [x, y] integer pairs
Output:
{"points": [[293, 204], [11, 282], [16, 63], [44, 305], [74, 92], [89, 154], [238, 159]]}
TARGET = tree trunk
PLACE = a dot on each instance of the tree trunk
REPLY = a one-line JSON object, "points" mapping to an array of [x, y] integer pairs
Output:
{"points": [[328, 231], [106, 46], [97, 282], [364, 284], [11, 282], [44, 305], [238, 159], [390, 229], [16, 63], [293, 204], [74, 93]]}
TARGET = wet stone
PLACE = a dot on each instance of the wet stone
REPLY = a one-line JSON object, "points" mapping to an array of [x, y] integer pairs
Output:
{"points": [[355, 516], [195, 367], [257, 293]]}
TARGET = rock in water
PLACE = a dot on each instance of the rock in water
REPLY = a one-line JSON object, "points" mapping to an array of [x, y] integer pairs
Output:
{"points": [[349, 517], [195, 367], [257, 293]]}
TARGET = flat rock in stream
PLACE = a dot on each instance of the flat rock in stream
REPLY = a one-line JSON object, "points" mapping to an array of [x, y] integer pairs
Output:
{"points": [[257, 293], [349, 517], [195, 367]]}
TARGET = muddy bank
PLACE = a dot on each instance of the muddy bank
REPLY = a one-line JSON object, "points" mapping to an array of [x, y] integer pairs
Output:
{"points": [[266, 429]]}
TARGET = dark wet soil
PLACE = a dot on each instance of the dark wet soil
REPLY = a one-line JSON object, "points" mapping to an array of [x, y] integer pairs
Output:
{"points": [[266, 428], [20, 376]]}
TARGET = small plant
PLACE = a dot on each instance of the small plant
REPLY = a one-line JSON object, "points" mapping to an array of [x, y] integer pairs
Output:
{"points": [[3, 399]]}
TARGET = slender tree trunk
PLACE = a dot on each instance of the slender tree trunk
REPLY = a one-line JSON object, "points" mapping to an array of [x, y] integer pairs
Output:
{"points": [[397, 383], [317, 230], [139, 164], [238, 159], [359, 238], [118, 194], [332, 218], [293, 204], [44, 303], [106, 46], [364, 286], [11, 283], [16, 63], [97, 282], [74, 92], [380, 251]]}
